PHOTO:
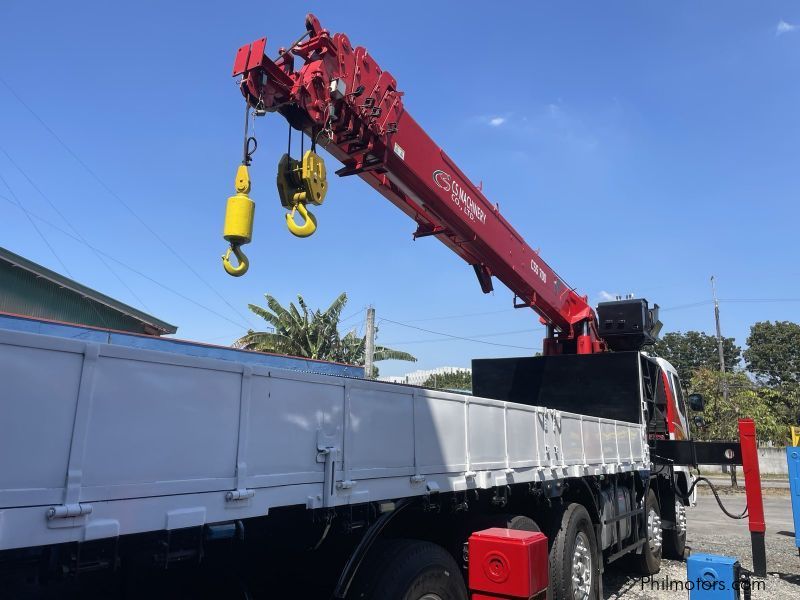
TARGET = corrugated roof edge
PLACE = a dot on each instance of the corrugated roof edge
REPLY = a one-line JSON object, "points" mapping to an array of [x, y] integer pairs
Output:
{"points": [[65, 282]]}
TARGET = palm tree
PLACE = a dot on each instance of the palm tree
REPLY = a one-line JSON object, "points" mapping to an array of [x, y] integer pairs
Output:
{"points": [[311, 334]]}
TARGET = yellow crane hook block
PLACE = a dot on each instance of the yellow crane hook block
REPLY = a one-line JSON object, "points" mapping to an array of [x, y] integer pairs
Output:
{"points": [[300, 182], [238, 230]]}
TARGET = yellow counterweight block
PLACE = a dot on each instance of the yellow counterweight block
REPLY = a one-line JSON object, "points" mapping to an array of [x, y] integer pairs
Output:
{"points": [[238, 230], [301, 182]]}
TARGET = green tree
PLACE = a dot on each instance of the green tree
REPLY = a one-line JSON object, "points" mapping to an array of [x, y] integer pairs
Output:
{"points": [[460, 379], [694, 350], [745, 400], [352, 350], [311, 334], [773, 352]]}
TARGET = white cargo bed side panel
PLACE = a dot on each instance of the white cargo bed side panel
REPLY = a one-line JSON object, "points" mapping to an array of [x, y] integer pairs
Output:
{"points": [[572, 439], [441, 433], [608, 439], [639, 451], [486, 427], [287, 417], [523, 434], [36, 419], [380, 432], [623, 442], [592, 445], [141, 409], [137, 440]]}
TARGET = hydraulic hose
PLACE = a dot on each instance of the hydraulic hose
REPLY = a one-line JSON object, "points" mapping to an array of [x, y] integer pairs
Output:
{"points": [[716, 497]]}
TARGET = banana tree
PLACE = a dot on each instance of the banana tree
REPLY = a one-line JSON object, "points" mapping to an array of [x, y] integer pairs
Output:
{"points": [[311, 334]]}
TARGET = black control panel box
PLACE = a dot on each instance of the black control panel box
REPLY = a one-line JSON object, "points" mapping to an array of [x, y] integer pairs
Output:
{"points": [[628, 324]]}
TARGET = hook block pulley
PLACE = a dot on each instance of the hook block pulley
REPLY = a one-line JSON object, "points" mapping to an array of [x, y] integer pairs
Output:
{"points": [[301, 182]]}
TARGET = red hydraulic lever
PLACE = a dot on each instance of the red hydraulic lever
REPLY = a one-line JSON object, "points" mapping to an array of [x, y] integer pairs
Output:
{"points": [[344, 101], [752, 488]]}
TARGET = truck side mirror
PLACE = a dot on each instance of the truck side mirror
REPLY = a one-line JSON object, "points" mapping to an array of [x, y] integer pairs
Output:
{"points": [[699, 422], [697, 402]]}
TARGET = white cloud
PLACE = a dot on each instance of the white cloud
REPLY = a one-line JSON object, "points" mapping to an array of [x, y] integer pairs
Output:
{"points": [[490, 120], [784, 27], [606, 296]]}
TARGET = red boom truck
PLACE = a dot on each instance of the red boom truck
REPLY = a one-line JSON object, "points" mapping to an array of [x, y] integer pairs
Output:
{"points": [[589, 366], [261, 482]]}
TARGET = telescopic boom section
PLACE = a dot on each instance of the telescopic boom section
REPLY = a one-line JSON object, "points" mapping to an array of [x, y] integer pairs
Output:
{"points": [[349, 105]]}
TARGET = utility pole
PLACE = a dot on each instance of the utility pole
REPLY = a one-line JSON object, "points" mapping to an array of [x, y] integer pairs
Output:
{"points": [[369, 350], [734, 483], [719, 341]]}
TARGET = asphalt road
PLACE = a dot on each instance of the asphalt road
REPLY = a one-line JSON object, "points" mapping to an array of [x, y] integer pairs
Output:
{"points": [[707, 519], [710, 531]]}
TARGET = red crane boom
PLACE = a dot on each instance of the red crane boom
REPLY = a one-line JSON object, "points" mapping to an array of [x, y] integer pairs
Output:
{"points": [[341, 98]]}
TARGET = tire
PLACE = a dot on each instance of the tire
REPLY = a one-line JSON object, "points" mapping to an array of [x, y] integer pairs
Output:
{"points": [[522, 523], [674, 543], [400, 569], [574, 568], [648, 561]]}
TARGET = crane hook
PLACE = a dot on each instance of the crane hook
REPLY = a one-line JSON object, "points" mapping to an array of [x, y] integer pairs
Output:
{"points": [[243, 265], [238, 228], [300, 182], [310, 221]]}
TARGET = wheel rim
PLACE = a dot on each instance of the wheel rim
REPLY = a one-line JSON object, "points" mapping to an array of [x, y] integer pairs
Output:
{"points": [[581, 568], [680, 517], [653, 531], [430, 596]]}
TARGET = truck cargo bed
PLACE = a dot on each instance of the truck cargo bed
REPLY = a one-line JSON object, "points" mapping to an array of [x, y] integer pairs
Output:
{"points": [[101, 440]]}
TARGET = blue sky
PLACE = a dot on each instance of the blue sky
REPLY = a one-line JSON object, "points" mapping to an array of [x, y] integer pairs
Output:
{"points": [[641, 147]]}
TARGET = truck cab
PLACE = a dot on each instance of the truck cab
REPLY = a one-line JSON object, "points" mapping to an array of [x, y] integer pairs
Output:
{"points": [[670, 419]]}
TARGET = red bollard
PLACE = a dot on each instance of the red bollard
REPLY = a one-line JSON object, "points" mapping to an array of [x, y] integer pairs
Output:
{"points": [[752, 488], [508, 564]]}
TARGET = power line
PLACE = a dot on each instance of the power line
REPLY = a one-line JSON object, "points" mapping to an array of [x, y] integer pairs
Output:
{"points": [[47, 243], [506, 310], [474, 337], [355, 314], [690, 305], [455, 337], [731, 300], [35, 226], [476, 314], [759, 300], [71, 226], [479, 335], [119, 199], [32, 216]]}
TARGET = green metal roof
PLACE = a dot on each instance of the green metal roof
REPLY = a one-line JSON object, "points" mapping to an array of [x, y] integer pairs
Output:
{"points": [[22, 294]]}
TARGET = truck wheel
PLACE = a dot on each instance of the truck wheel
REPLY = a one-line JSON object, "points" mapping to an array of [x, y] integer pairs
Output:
{"points": [[573, 557], [648, 561], [675, 539], [522, 523], [409, 570]]}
